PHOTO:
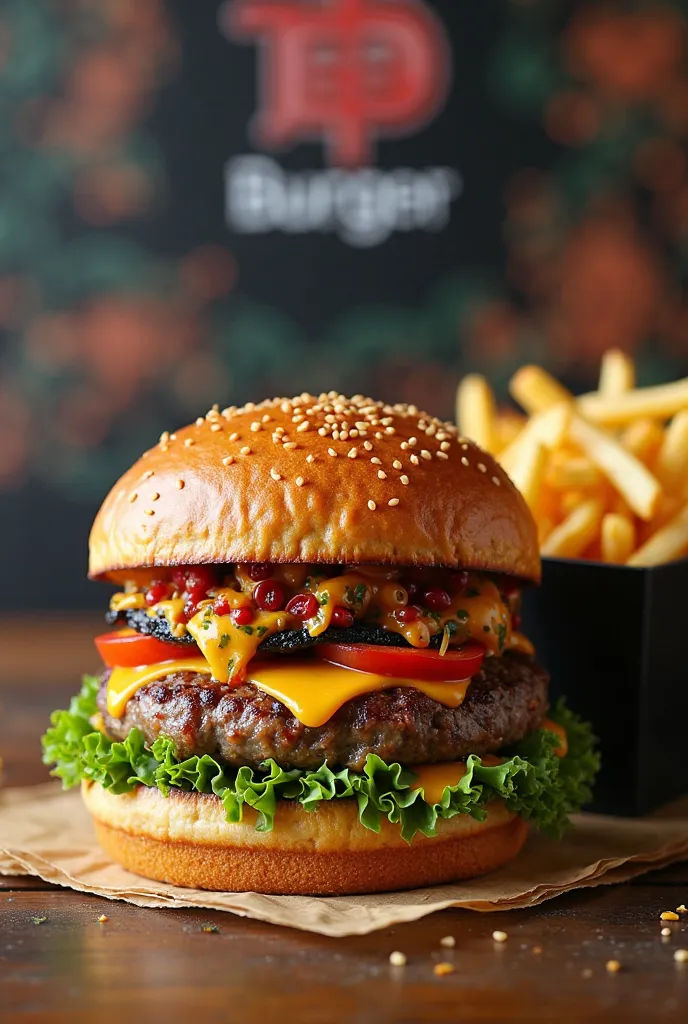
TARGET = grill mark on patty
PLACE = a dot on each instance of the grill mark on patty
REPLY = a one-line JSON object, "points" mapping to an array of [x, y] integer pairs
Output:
{"points": [[241, 725]]}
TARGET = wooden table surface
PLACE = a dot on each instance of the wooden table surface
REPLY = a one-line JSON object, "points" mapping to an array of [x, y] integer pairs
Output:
{"points": [[57, 963]]}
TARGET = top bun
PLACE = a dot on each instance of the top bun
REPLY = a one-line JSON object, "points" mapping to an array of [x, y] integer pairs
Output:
{"points": [[329, 479]]}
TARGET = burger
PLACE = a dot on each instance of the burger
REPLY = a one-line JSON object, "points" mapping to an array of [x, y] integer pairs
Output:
{"points": [[315, 680]]}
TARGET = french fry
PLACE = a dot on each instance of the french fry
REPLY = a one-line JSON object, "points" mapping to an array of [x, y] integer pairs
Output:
{"points": [[570, 500], [547, 428], [643, 438], [667, 508], [661, 403], [536, 390], [578, 530], [631, 477], [617, 373], [617, 538], [668, 543], [573, 471], [475, 411], [508, 426], [529, 472], [672, 460]]}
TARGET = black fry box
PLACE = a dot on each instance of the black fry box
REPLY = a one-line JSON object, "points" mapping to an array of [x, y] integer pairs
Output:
{"points": [[615, 642]]}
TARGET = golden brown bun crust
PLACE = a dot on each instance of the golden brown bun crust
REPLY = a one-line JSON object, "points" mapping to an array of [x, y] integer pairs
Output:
{"points": [[451, 504], [184, 840]]}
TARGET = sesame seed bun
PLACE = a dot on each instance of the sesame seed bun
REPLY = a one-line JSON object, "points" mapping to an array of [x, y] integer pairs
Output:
{"points": [[318, 480], [184, 839]]}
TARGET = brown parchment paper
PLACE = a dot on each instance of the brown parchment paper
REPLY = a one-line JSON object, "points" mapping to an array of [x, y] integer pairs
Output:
{"points": [[47, 832]]}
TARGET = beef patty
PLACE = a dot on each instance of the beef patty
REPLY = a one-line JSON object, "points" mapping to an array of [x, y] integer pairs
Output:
{"points": [[243, 726]]}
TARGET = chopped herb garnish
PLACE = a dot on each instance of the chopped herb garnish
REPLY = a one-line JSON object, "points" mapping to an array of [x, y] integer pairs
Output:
{"points": [[224, 640], [323, 599], [211, 929], [360, 593], [462, 614], [230, 665], [205, 624], [501, 635], [433, 615], [39, 919], [451, 627], [261, 630], [247, 629]]}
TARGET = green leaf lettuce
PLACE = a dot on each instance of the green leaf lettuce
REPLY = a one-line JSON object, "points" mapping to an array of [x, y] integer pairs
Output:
{"points": [[532, 781]]}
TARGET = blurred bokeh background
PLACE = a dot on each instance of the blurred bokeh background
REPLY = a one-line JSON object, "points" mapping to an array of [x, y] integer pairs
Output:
{"points": [[221, 201]]}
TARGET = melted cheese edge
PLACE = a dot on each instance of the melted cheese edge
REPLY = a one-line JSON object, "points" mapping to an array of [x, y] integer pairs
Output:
{"points": [[433, 779], [312, 691]]}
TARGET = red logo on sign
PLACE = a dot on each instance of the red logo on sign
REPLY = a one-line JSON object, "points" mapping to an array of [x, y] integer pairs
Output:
{"points": [[348, 70]]}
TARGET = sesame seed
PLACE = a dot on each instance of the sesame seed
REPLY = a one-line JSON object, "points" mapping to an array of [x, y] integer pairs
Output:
{"points": [[371, 505], [164, 447], [322, 431], [286, 407], [302, 426], [413, 441], [368, 446], [381, 474], [200, 421], [299, 481], [180, 485], [496, 481], [465, 447], [431, 430], [289, 445], [332, 452], [404, 479], [234, 436], [500, 936], [310, 458], [133, 496], [255, 426], [353, 433], [335, 435], [215, 427], [154, 496], [448, 942], [425, 454], [280, 430], [441, 455], [666, 932], [444, 968], [441, 436], [352, 453], [482, 467], [189, 441], [464, 461], [396, 464], [164, 437], [397, 959], [245, 450], [681, 956], [387, 420], [392, 502], [613, 966], [149, 511], [375, 461], [148, 474], [669, 915], [267, 418], [173, 437], [415, 460], [228, 460], [404, 445], [445, 446], [275, 475], [379, 435]]}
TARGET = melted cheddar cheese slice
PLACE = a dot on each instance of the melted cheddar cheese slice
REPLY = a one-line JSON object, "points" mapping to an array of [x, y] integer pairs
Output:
{"points": [[433, 779], [312, 690]]}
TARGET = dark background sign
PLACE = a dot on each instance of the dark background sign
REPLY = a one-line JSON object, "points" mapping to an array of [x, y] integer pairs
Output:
{"points": [[223, 201]]}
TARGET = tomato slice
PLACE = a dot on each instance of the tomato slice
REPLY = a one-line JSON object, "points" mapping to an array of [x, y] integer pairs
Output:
{"points": [[406, 663], [125, 648]]}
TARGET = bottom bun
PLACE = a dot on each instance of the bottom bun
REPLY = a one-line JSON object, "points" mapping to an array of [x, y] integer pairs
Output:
{"points": [[184, 839]]}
